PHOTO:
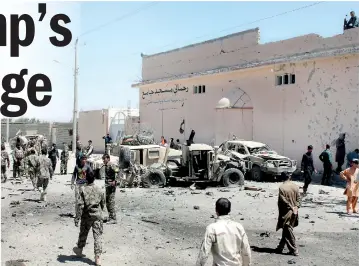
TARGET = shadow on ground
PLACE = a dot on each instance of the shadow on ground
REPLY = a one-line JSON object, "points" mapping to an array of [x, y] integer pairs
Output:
{"points": [[264, 250], [66, 258], [344, 214], [32, 200]]}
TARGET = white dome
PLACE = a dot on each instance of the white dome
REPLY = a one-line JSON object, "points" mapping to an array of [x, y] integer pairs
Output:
{"points": [[223, 103]]}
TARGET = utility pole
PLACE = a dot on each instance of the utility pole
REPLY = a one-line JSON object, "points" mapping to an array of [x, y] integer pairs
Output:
{"points": [[74, 126], [7, 129]]}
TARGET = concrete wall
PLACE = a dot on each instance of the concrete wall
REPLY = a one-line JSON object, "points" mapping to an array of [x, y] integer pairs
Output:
{"points": [[93, 125], [54, 132], [236, 49], [322, 103]]}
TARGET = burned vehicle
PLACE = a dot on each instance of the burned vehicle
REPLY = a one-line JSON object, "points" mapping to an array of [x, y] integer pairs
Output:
{"points": [[265, 161], [134, 161], [198, 163]]}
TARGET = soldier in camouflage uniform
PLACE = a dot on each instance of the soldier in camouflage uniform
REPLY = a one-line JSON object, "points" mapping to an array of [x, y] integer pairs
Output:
{"points": [[78, 180], [5, 161], [18, 164], [64, 157], [90, 205], [45, 173], [33, 164], [28, 151], [111, 171]]}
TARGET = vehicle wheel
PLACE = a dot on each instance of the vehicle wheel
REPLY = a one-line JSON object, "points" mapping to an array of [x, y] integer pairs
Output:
{"points": [[233, 178], [256, 173], [153, 178]]}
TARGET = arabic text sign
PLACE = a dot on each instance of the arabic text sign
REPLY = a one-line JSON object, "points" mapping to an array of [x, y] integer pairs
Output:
{"points": [[160, 91]]}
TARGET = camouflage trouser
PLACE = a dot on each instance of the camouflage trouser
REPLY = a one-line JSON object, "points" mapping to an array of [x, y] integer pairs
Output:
{"points": [[110, 202], [63, 167], [77, 195], [25, 166], [18, 169], [33, 176], [3, 173], [42, 183], [97, 230]]}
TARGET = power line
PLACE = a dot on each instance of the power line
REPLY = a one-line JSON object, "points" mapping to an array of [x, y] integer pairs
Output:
{"points": [[238, 26], [130, 14], [255, 21]]}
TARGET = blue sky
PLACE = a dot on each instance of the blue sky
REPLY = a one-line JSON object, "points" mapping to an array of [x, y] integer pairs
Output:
{"points": [[110, 61]]}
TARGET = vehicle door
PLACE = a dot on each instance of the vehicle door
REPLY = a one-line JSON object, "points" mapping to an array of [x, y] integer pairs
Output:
{"points": [[210, 164]]}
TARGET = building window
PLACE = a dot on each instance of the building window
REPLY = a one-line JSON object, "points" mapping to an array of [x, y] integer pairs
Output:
{"points": [[200, 89], [285, 79]]}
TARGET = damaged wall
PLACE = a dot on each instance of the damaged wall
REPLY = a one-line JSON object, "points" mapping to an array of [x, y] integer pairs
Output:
{"points": [[236, 49], [322, 103]]}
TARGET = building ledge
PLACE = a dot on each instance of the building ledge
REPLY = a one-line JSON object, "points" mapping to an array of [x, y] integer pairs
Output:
{"points": [[278, 60], [201, 43]]}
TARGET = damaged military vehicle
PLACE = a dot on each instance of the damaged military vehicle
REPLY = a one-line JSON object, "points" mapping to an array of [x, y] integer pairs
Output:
{"points": [[198, 163], [264, 161]]}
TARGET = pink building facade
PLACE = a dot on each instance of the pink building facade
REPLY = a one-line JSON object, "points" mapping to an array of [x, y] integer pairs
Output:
{"points": [[288, 94]]}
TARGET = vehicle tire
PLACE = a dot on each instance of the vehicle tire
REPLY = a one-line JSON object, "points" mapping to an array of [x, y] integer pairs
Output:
{"points": [[233, 178], [256, 173], [153, 178]]}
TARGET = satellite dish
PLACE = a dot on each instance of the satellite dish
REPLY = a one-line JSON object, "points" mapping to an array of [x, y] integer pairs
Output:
{"points": [[223, 103]]}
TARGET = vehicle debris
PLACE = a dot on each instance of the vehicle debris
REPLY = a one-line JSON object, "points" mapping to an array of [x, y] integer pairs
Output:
{"points": [[259, 158]]}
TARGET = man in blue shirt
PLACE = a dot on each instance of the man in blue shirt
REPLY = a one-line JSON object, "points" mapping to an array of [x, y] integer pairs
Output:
{"points": [[108, 140]]}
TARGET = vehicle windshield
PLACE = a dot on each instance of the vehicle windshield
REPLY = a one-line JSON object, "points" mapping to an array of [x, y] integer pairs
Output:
{"points": [[259, 149]]}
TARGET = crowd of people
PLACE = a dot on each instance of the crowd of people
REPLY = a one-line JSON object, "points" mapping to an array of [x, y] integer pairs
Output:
{"points": [[226, 239]]}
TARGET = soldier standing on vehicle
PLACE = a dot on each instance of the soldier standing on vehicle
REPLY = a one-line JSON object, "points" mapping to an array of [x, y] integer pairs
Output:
{"points": [[78, 180], [33, 164], [18, 164], [307, 168], [90, 206], [5, 161], [64, 158], [45, 173], [111, 172]]}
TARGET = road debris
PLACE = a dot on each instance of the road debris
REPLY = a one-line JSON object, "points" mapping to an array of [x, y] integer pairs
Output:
{"points": [[252, 188], [265, 234], [149, 221]]}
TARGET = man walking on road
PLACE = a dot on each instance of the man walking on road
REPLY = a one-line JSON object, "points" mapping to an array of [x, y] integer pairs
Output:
{"points": [[288, 204], [64, 158], [18, 165], [45, 173], [5, 161], [33, 164], [81, 171], [90, 205], [111, 171], [226, 239], [307, 168], [53, 155], [326, 158]]}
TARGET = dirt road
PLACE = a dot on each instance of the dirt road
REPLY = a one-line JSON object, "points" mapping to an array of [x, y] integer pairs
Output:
{"points": [[163, 226]]}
